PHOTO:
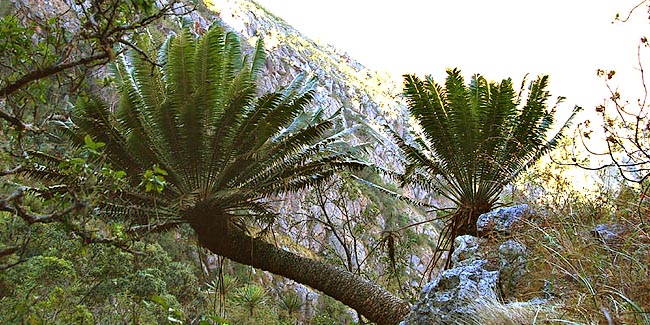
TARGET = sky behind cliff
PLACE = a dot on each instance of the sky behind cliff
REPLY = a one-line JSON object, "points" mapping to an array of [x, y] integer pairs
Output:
{"points": [[568, 39]]}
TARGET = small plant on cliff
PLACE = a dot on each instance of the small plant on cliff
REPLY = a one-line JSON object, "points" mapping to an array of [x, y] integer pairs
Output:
{"points": [[475, 139]]}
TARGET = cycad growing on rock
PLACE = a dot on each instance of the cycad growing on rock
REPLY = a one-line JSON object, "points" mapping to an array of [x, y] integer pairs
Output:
{"points": [[211, 151], [475, 139]]}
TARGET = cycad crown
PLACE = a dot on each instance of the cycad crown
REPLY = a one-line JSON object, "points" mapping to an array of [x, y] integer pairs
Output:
{"points": [[476, 139], [199, 119]]}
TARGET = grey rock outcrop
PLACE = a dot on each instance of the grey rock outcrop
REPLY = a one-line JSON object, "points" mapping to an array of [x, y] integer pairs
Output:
{"points": [[467, 250], [608, 233], [502, 220], [454, 292], [457, 293], [512, 262]]}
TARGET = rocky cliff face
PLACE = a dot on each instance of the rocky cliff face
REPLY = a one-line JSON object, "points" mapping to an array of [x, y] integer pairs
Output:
{"points": [[343, 82]]}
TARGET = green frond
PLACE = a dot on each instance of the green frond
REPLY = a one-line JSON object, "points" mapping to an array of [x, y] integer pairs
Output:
{"points": [[305, 167], [389, 192], [137, 214], [47, 167], [254, 119], [198, 118], [46, 159], [148, 80], [221, 147], [179, 67], [132, 126], [93, 117], [259, 60], [428, 104], [233, 55], [212, 58], [273, 112], [312, 174], [494, 118], [305, 119], [419, 161], [50, 175], [460, 111], [296, 97], [550, 144], [262, 122], [476, 138], [280, 155]]}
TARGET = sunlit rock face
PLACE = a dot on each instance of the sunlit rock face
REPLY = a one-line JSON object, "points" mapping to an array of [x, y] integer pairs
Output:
{"points": [[503, 220], [455, 292]]}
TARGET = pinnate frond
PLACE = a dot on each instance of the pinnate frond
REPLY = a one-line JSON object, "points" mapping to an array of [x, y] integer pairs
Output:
{"points": [[222, 149]]}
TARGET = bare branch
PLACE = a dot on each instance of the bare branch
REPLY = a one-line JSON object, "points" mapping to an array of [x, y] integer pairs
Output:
{"points": [[10, 265], [629, 14], [14, 170], [8, 250], [89, 238], [13, 204], [143, 55], [48, 71]]}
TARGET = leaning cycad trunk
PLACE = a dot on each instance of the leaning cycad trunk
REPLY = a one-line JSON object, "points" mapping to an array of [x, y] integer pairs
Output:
{"points": [[198, 122], [372, 301]]}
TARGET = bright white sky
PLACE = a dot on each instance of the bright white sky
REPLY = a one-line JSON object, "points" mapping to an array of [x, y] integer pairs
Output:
{"points": [[568, 39]]}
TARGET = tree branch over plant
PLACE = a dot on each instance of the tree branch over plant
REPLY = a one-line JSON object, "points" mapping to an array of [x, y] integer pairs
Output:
{"points": [[13, 204], [49, 57], [100, 28], [98, 59]]}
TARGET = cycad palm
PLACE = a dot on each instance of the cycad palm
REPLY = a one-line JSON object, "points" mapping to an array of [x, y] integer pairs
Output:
{"points": [[224, 150], [198, 119], [475, 139]]}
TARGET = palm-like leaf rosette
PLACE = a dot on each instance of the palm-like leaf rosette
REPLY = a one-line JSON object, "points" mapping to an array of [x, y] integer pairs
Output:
{"points": [[476, 138], [198, 121]]}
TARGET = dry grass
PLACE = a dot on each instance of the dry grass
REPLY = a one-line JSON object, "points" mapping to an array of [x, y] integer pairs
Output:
{"points": [[496, 313], [596, 281]]}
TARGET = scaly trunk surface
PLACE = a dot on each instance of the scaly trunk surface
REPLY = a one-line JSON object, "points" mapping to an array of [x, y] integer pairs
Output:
{"points": [[368, 298]]}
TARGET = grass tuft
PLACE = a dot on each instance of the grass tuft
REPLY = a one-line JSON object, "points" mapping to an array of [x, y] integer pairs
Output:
{"points": [[496, 313], [596, 281]]}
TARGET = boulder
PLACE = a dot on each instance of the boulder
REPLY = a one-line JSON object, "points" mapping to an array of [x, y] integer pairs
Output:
{"points": [[609, 234], [502, 220], [466, 250], [471, 285], [512, 262], [453, 294]]}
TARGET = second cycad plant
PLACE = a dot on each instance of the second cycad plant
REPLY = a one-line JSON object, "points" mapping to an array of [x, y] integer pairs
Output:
{"points": [[476, 138]]}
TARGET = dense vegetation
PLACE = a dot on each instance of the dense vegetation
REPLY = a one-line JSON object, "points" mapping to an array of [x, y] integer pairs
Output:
{"points": [[145, 179]]}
